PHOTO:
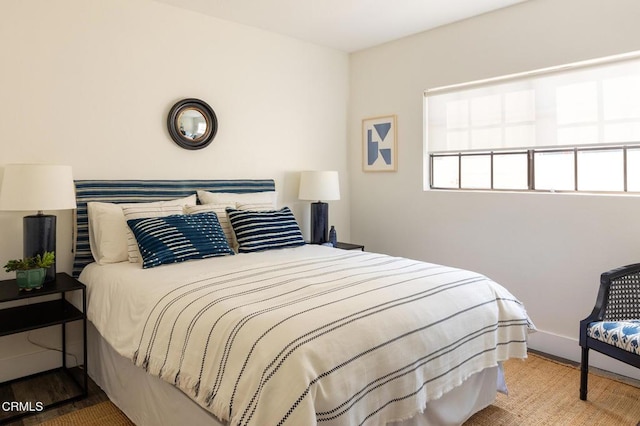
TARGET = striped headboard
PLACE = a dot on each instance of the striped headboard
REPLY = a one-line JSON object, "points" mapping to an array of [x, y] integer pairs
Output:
{"points": [[135, 191]]}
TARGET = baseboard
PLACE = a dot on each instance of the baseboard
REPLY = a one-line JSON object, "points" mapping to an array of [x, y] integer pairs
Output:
{"points": [[37, 360], [568, 348]]}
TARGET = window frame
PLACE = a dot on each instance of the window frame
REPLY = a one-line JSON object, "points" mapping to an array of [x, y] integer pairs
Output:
{"points": [[530, 153]]}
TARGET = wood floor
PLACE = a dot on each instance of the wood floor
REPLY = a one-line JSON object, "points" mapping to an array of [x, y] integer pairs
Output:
{"points": [[45, 389]]}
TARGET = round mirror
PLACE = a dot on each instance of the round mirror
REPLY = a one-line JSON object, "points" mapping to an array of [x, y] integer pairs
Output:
{"points": [[192, 123]]}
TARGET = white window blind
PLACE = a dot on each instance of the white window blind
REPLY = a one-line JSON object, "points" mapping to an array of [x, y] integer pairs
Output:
{"points": [[579, 104]]}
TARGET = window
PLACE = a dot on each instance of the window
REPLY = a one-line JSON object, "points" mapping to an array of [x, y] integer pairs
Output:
{"points": [[571, 128]]}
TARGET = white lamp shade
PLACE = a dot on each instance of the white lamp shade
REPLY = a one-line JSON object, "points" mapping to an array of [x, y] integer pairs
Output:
{"points": [[319, 185], [37, 187]]}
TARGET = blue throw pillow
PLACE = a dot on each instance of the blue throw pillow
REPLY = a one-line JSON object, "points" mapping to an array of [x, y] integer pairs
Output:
{"points": [[265, 230], [177, 238]]}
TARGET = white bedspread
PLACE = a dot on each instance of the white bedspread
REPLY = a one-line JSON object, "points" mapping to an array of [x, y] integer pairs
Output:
{"points": [[307, 335]]}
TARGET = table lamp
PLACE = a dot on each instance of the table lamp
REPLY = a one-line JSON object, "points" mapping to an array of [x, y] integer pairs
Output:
{"points": [[319, 185], [38, 187]]}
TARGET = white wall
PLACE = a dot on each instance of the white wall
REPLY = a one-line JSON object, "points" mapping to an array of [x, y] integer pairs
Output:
{"points": [[548, 249], [89, 83]]}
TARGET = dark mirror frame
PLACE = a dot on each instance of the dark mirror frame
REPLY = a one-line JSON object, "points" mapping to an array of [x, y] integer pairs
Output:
{"points": [[208, 114]]}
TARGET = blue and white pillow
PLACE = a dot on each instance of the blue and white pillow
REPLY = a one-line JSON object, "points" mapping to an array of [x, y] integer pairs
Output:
{"points": [[177, 238], [265, 230]]}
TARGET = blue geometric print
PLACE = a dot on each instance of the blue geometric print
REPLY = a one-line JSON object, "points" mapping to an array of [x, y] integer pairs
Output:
{"points": [[373, 150], [386, 155], [382, 129]]}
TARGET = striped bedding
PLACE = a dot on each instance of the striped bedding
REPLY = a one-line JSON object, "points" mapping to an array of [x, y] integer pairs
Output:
{"points": [[307, 335]]}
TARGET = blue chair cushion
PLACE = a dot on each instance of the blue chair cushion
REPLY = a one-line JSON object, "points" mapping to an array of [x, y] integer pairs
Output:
{"points": [[622, 334]]}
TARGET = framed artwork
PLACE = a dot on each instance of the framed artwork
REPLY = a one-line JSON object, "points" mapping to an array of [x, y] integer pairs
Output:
{"points": [[379, 144]]}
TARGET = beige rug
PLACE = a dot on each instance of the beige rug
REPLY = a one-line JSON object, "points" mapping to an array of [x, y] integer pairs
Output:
{"points": [[104, 413], [541, 392], [545, 392]]}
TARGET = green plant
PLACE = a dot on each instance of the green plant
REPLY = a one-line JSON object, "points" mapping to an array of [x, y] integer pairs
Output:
{"points": [[37, 261]]}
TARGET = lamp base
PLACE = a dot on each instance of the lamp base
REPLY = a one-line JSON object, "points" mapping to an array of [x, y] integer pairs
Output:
{"points": [[39, 235], [319, 222]]}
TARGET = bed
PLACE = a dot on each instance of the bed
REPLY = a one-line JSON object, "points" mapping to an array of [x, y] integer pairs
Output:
{"points": [[259, 328]]}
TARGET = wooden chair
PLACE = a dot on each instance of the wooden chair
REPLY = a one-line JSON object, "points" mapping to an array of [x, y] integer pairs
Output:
{"points": [[613, 328]]}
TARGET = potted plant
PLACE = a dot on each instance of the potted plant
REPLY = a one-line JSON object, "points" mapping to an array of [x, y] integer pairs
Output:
{"points": [[31, 271]]}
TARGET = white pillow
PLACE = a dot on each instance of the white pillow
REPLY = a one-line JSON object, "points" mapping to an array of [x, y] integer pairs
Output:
{"points": [[145, 210], [221, 211], [266, 200], [256, 207], [107, 233], [108, 229]]}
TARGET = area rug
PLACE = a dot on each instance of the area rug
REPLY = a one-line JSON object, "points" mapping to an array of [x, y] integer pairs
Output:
{"points": [[541, 392], [104, 413], [545, 392]]}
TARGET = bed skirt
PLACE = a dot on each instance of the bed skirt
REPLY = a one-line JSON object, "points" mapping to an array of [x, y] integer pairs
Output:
{"points": [[148, 400]]}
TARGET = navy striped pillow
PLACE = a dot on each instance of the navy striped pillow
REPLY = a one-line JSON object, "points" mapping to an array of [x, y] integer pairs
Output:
{"points": [[265, 230], [177, 238]]}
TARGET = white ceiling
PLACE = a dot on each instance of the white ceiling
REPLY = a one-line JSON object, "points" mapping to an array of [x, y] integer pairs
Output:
{"points": [[347, 25]]}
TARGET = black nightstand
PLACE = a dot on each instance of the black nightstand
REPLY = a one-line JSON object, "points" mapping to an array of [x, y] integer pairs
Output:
{"points": [[37, 315], [349, 246]]}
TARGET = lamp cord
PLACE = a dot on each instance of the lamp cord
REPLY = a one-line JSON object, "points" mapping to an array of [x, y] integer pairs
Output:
{"points": [[40, 345]]}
